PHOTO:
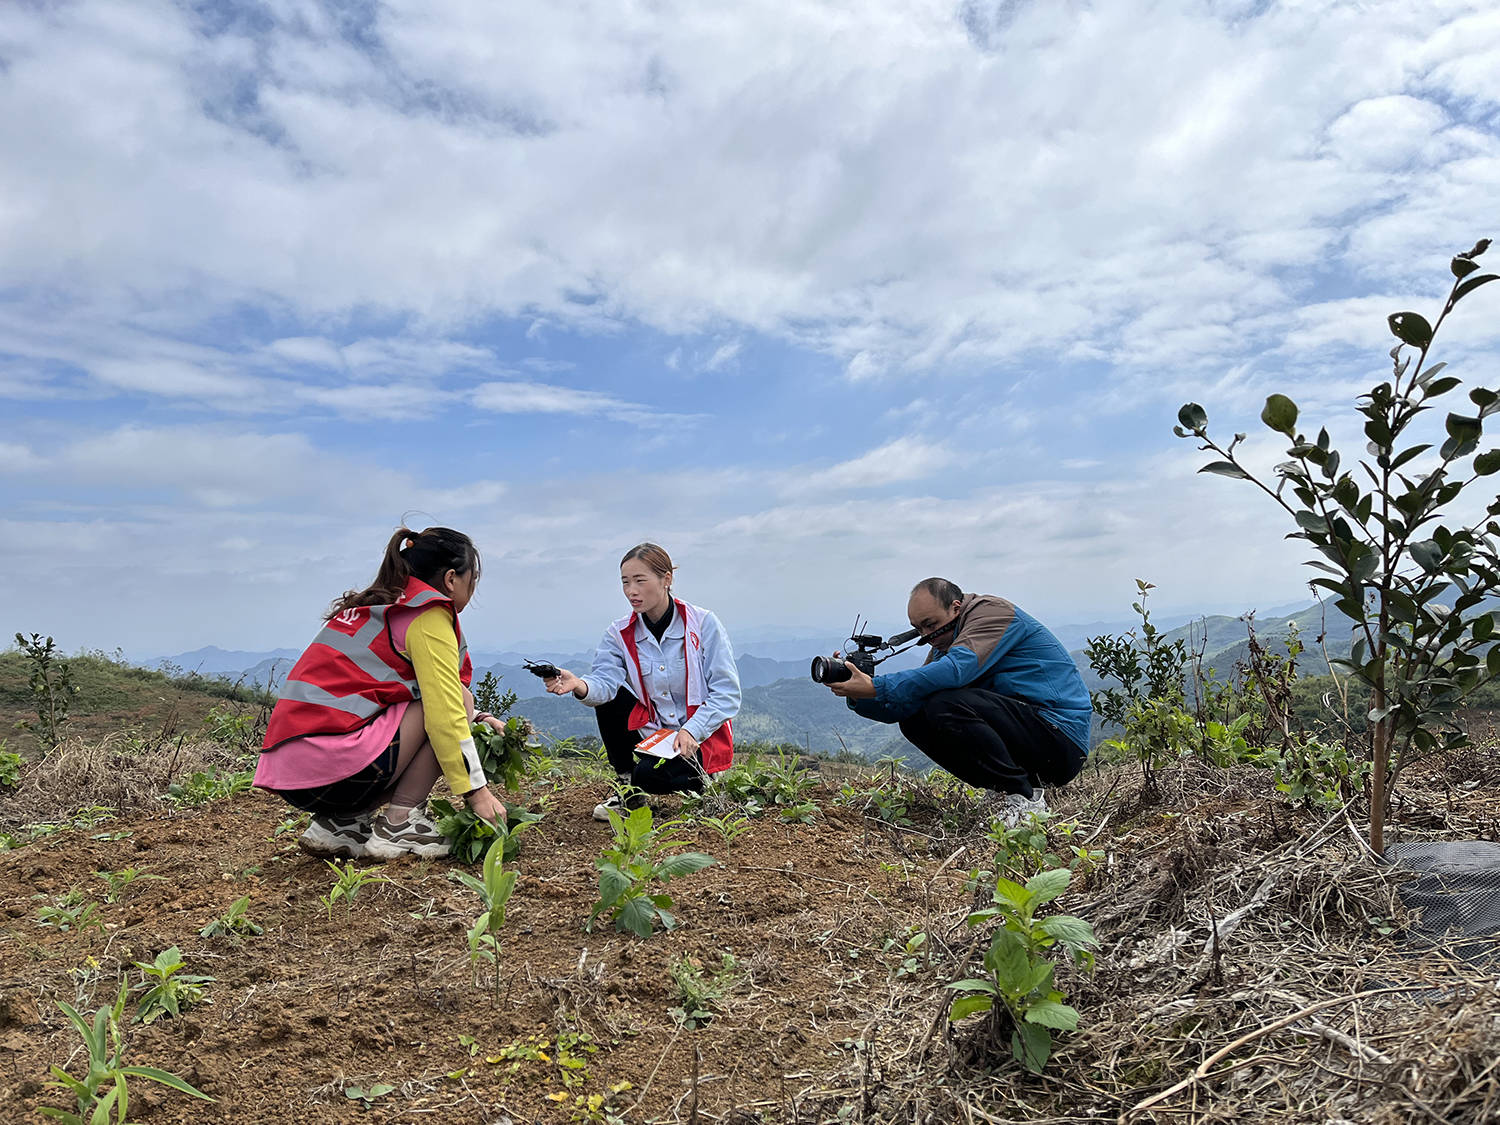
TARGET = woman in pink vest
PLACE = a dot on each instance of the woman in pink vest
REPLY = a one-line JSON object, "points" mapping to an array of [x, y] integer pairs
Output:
{"points": [[378, 706], [663, 674]]}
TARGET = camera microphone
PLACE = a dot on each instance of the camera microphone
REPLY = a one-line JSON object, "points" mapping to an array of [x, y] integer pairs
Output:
{"points": [[902, 638]]}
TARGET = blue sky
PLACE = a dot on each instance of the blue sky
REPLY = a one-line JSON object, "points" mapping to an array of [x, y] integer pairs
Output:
{"points": [[825, 297]]}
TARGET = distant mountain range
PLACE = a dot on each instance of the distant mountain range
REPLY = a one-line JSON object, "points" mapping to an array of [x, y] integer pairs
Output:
{"points": [[782, 704]]}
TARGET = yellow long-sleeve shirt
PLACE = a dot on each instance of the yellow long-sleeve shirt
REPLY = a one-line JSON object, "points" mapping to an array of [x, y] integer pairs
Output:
{"points": [[432, 648]]}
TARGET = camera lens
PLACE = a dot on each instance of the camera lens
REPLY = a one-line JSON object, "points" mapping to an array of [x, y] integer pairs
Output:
{"points": [[827, 670]]}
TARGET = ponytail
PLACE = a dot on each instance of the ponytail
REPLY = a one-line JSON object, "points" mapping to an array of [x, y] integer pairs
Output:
{"points": [[426, 555]]}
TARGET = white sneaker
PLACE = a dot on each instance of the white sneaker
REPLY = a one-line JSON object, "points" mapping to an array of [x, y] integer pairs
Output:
{"points": [[416, 836], [336, 837], [618, 804], [1014, 808]]}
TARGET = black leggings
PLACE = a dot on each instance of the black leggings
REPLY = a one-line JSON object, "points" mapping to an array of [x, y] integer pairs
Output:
{"points": [[993, 741], [647, 773]]}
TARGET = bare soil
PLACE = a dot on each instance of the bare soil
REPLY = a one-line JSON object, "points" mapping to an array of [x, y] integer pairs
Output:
{"points": [[1324, 1008]]}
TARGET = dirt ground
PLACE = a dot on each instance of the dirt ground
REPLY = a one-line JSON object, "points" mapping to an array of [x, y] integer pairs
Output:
{"points": [[382, 992], [1315, 1004]]}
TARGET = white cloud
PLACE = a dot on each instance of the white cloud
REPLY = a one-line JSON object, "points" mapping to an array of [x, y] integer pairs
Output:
{"points": [[16, 458], [893, 187], [723, 356], [904, 459]]}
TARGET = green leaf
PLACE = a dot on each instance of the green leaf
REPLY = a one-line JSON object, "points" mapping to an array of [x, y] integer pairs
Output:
{"points": [[1009, 892], [1192, 416], [971, 984], [1007, 959], [637, 916], [166, 1078], [1225, 469], [1467, 287], [612, 884], [1049, 1013], [1073, 932], [1487, 463], [969, 1005], [1442, 386], [1463, 428], [1047, 885], [1411, 328], [1032, 1046], [685, 863], [1280, 414], [1463, 267]]}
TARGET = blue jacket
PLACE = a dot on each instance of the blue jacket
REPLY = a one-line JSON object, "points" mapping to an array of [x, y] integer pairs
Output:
{"points": [[997, 646]]}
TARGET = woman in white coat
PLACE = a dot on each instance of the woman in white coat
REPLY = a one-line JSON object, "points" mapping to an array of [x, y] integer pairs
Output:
{"points": [[663, 673]]}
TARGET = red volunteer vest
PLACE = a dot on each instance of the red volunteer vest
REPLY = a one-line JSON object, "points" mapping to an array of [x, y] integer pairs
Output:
{"points": [[353, 671], [718, 747]]}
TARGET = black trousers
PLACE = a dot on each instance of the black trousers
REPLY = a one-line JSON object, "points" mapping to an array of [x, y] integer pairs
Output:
{"points": [[647, 773], [993, 741]]}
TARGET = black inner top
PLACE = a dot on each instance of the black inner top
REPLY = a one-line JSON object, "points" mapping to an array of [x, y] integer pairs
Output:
{"points": [[658, 627]]}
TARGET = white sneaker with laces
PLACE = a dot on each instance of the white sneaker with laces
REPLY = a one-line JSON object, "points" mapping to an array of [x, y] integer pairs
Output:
{"points": [[617, 804], [336, 837], [1014, 808], [416, 835]]}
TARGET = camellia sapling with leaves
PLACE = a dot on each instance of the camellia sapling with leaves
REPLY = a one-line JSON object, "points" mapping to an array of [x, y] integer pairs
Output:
{"points": [[1408, 552]]}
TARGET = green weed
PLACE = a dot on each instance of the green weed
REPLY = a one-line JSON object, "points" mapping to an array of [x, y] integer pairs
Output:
{"points": [[1021, 974], [104, 1091], [233, 923], [629, 867], [168, 988]]}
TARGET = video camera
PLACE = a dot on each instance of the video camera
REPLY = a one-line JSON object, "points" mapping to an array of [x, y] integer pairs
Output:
{"points": [[831, 670]]}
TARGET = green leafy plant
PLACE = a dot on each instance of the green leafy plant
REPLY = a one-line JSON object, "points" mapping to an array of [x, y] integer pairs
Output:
{"points": [[469, 836], [367, 1095], [103, 1091], [1021, 974], [229, 727], [201, 787], [72, 911], [503, 753], [913, 950], [50, 683], [494, 891], [168, 989], [1148, 671], [1399, 555], [1322, 774], [348, 881], [10, 767], [630, 865], [489, 697], [730, 826], [119, 881], [233, 923], [700, 991]]}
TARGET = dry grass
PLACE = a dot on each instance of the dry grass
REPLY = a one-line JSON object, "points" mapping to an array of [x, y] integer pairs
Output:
{"points": [[1242, 977]]}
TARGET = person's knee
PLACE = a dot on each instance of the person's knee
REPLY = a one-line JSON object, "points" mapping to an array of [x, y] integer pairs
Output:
{"points": [[942, 708]]}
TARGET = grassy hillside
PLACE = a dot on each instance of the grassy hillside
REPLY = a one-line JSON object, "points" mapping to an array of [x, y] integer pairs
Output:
{"points": [[110, 694]]}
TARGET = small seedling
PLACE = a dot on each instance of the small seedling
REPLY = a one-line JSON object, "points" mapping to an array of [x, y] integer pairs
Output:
{"points": [[629, 866], [118, 881], [348, 881], [10, 768], [366, 1095], [1020, 980], [103, 1090], [71, 912], [700, 993], [173, 989], [201, 787], [730, 826], [232, 923], [494, 890]]}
